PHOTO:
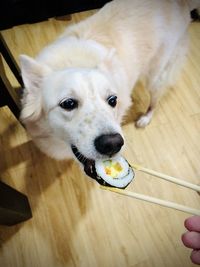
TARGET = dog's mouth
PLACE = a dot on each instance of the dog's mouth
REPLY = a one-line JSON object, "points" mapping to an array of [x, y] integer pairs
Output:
{"points": [[88, 164]]}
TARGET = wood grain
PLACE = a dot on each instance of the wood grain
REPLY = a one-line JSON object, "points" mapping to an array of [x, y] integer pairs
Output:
{"points": [[74, 222]]}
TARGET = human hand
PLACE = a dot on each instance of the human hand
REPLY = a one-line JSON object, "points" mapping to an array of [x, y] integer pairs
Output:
{"points": [[191, 239]]}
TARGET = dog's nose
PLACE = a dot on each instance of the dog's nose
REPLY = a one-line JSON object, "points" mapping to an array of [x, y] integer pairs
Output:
{"points": [[109, 144]]}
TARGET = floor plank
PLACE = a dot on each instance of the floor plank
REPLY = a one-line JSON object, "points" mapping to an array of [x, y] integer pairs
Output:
{"points": [[74, 222]]}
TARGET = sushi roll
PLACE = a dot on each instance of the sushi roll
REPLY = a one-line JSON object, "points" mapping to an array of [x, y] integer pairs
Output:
{"points": [[115, 172]]}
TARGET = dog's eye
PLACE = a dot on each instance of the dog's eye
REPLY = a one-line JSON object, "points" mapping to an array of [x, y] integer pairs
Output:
{"points": [[69, 104], [112, 100]]}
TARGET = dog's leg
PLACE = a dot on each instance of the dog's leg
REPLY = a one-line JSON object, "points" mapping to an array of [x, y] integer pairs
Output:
{"points": [[145, 119], [157, 82], [162, 76]]}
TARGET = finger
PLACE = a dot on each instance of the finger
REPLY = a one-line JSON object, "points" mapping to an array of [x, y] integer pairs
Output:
{"points": [[195, 256], [193, 223], [191, 240]]}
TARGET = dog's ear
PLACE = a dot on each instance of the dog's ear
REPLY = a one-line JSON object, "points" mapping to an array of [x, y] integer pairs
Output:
{"points": [[33, 73]]}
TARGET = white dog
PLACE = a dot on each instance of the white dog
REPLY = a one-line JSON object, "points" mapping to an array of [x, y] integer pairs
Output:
{"points": [[78, 89]]}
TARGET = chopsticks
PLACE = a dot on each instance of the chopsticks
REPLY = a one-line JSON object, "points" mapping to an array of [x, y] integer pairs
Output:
{"points": [[158, 201], [154, 200], [167, 178]]}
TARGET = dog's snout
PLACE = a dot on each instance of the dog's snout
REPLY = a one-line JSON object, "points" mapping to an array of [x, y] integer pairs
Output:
{"points": [[109, 144]]}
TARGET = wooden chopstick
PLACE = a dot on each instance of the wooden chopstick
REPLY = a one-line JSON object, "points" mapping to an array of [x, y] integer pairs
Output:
{"points": [[167, 178], [160, 202]]}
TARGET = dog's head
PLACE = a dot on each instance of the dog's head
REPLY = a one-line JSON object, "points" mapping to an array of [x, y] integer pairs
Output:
{"points": [[81, 107]]}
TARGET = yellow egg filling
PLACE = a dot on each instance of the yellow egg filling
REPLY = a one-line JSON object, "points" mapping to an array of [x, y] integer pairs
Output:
{"points": [[112, 168]]}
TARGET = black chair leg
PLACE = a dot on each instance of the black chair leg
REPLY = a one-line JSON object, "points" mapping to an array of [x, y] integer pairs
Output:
{"points": [[7, 55], [14, 206], [6, 99]]}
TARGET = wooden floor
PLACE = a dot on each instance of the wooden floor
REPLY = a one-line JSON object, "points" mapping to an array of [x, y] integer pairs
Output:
{"points": [[74, 222]]}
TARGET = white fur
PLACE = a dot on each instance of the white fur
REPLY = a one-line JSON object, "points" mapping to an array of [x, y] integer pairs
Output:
{"points": [[103, 55]]}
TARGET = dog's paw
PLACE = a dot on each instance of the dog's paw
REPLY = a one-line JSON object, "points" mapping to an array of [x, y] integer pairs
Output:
{"points": [[143, 121]]}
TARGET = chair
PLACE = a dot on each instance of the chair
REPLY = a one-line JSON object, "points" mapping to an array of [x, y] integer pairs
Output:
{"points": [[8, 94]]}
